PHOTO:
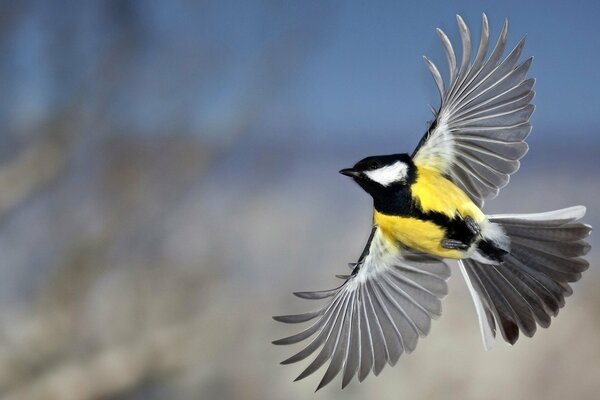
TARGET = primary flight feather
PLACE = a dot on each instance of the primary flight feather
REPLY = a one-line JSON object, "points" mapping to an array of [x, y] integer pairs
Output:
{"points": [[427, 208]]}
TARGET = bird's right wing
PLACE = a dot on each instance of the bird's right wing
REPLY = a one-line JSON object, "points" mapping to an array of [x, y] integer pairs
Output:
{"points": [[479, 132], [378, 313]]}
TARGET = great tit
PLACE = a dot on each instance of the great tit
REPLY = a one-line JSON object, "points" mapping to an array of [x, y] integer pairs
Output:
{"points": [[427, 208]]}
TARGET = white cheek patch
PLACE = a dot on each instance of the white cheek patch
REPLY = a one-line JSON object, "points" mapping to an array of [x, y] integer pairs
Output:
{"points": [[389, 174]]}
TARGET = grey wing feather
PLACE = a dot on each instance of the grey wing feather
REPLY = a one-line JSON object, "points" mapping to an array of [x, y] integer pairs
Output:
{"points": [[380, 351], [366, 355], [477, 138], [353, 360], [379, 313], [392, 340], [341, 346], [465, 37]]}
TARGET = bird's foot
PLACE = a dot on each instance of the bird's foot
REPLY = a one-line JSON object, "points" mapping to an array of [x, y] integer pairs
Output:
{"points": [[472, 226], [454, 244]]}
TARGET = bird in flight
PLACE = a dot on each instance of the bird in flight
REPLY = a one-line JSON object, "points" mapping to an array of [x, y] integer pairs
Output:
{"points": [[427, 208]]}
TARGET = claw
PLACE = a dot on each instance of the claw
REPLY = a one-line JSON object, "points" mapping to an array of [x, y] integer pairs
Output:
{"points": [[472, 225], [454, 244]]}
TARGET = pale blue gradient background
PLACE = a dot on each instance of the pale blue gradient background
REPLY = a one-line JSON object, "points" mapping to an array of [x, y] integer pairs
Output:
{"points": [[367, 73]]}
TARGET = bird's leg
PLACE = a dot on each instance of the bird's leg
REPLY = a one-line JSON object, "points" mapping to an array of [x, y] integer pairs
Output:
{"points": [[454, 244], [356, 266], [461, 233], [472, 225]]}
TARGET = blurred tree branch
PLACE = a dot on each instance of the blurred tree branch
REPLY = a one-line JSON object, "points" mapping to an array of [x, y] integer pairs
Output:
{"points": [[33, 169], [147, 328], [113, 370]]}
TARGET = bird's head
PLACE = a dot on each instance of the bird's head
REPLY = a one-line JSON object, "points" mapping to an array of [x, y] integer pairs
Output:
{"points": [[379, 175]]}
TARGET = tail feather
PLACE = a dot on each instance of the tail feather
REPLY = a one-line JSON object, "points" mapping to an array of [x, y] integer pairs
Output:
{"points": [[568, 233], [530, 285], [558, 249], [544, 219]]}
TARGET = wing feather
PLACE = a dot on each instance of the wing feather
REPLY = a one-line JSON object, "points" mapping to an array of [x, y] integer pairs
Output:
{"points": [[465, 37], [380, 351], [392, 339], [450, 56], [353, 357], [520, 91], [330, 342], [477, 138], [379, 313], [404, 325], [341, 346], [367, 353], [439, 81]]}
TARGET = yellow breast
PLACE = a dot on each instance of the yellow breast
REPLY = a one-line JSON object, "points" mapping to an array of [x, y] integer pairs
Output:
{"points": [[423, 236], [434, 193]]}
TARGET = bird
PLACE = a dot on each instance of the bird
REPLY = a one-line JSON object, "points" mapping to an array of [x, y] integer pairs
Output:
{"points": [[427, 210]]}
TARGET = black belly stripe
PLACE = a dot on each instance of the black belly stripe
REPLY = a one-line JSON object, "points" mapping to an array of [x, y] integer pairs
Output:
{"points": [[400, 202], [456, 228], [403, 204]]}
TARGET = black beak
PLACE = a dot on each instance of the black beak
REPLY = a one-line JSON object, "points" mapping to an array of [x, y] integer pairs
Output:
{"points": [[350, 172]]}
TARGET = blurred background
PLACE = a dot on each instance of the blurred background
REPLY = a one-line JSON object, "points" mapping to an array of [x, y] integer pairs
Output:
{"points": [[168, 176]]}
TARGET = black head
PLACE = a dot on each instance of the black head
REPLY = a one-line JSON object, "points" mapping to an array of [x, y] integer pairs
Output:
{"points": [[383, 174]]}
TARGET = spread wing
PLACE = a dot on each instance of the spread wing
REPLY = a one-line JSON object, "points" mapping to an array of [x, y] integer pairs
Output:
{"points": [[379, 312], [479, 132]]}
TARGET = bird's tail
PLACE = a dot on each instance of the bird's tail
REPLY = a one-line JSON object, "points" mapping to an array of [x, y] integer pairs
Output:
{"points": [[530, 285]]}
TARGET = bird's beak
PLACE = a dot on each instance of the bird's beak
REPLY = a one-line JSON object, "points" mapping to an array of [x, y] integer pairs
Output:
{"points": [[350, 172]]}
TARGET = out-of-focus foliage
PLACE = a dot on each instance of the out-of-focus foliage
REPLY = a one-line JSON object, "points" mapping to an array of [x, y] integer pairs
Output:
{"points": [[149, 227]]}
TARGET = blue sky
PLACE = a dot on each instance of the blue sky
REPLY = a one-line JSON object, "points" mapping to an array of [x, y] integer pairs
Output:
{"points": [[338, 70], [367, 74]]}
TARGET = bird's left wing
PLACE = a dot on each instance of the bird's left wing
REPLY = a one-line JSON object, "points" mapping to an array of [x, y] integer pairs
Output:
{"points": [[478, 135], [378, 313]]}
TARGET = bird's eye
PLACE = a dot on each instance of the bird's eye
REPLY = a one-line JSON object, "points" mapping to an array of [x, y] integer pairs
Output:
{"points": [[373, 165]]}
